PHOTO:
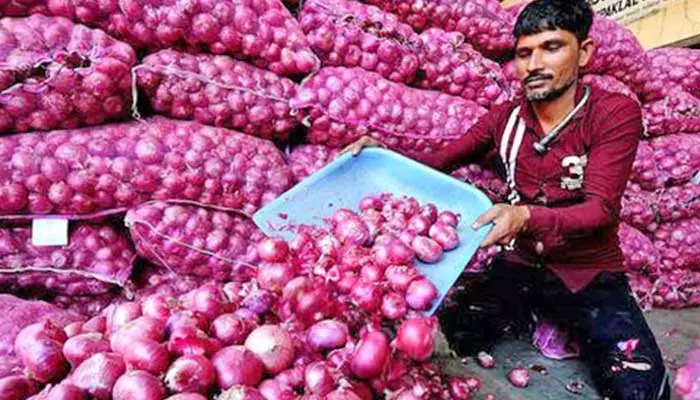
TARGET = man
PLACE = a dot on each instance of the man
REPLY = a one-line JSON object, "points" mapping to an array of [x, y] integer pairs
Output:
{"points": [[567, 151]]}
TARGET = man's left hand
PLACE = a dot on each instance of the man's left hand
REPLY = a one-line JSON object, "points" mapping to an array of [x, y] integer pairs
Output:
{"points": [[509, 221]]}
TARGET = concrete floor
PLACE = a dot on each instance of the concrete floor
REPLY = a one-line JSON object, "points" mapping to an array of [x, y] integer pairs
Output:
{"points": [[675, 331]]}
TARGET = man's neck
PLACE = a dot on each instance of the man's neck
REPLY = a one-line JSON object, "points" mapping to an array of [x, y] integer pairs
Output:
{"points": [[550, 113]]}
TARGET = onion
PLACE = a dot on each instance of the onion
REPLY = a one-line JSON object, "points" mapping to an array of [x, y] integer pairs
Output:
{"points": [[158, 306], [416, 337], [400, 276], [318, 378], [371, 273], [485, 360], [327, 335], [311, 303], [98, 374], [421, 294], [240, 392], [64, 391], [367, 296], [185, 318], [16, 387], [352, 230], [140, 328], [371, 203], [371, 355], [519, 377], [392, 251], [445, 235], [192, 341], [274, 276], [147, 354], [419, 224], [39, 347], [293, 377], [121, 314], [426, 249], [191, 373], [273, 347], [187, 396], [459, 388], [271, 389], [138, 385], [236, 365], [430, 212], [208, 300], [448, 218], [96, 324], [342, 394], [273, 250], [81, 347], [73, 329], [230, 329], [394, 306]]}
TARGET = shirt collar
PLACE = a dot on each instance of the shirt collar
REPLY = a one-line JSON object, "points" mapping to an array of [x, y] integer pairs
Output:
{"points": [[530, 119]]}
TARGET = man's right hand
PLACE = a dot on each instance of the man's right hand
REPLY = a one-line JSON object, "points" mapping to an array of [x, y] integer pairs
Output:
{"points": [[356, 147]]}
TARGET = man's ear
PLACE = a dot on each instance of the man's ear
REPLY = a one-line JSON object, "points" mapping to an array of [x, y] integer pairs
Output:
{"points": [[585, 52]]}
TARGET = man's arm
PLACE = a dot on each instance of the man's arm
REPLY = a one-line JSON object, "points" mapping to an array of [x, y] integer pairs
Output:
{"points": [[609, 165], [476, 140]]}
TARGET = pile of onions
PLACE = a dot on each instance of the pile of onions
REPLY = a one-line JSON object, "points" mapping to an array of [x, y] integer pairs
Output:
{"points": [[313, 320]]}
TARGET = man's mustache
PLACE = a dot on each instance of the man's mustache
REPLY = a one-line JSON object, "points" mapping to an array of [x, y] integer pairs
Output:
{"points": [[537, 77]]}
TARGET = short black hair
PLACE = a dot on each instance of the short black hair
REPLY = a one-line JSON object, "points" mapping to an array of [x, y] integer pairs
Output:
{"points": [[575, 16]]}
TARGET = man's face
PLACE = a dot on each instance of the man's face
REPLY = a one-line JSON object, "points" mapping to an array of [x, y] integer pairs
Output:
{"points": [[548, 63]]}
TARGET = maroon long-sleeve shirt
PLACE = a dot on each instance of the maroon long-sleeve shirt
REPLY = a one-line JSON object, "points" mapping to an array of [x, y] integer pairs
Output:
{"points": [[572, 231]]}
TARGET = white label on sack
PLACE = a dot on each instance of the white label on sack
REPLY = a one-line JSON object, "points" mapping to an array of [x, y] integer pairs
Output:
{"points": [[50, 232]]}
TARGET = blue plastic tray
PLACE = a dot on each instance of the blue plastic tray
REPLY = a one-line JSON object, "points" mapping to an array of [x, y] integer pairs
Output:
{"points": [[347, 180]]}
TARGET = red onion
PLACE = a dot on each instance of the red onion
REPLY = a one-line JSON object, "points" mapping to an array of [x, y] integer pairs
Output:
{"points": [[429, 211], [95, 324], [274, 276], [293, 287], [485, 360], [371, 203], [371, 273], [327, 335], [185, 318], [342, 394], [258, 300], [419, 224], [240, 392], [230, 329], [208, 300], [293, 377], [394, 306], [445, 235], [392, 252], [271, 389], [347, 281], [140, 328], [187, 396], [310, 303], [519, 377], [426, 249], [371, 355], [122, 314], [273, 250], [459, 388], [17, 387], [421, 294], [236, 365], [250, 317], [416, 337], [192, 342], [147, 354], [400, 276], [81, 347], [158, 306], [39, 347], [63, 391], [98, 374], [138, 385], [367, 296], [449, 218], [352, 230], [318, 378], [273, 347], [191, 373]]}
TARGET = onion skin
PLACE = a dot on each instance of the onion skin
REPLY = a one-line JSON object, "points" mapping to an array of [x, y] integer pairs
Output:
{"points": [[394, 306], [39, 347], [192, 373], [240, 392], [138, 385], [371, 355], [236, 365], [318, 379], [273, 346], [230, 329], [187, 396]]}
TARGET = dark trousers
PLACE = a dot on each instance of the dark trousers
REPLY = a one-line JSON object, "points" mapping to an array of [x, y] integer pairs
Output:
{"points": [[504, 298]]}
